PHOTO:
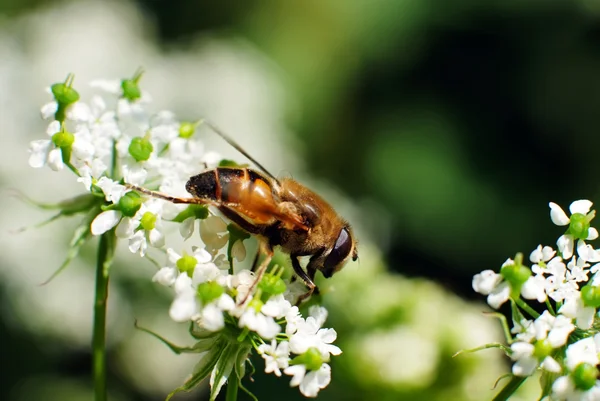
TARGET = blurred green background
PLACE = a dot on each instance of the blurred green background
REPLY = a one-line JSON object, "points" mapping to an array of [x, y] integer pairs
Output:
{"points": [[440, 129]]}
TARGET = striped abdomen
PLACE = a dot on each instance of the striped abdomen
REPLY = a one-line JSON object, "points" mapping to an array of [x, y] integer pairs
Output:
{"points": [[244, 192]]}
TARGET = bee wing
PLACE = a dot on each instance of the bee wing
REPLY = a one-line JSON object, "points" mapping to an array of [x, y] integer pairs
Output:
{"points": [[254, 201]]}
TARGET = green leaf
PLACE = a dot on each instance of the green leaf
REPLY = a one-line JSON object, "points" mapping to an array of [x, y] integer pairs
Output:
{"points": [[67, 207], [80, 236], [201, 346], [223, 369], [202, 368], [503, 347], [240, 369]]}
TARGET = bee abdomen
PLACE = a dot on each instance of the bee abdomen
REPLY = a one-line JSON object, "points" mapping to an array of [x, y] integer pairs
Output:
{"points": [[223, 184]]}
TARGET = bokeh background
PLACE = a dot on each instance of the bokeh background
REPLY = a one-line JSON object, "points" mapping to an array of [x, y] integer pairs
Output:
{"points": [[440, 129]]}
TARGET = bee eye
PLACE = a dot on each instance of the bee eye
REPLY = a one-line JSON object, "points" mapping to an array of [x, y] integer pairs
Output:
{"points": [[339, 253]]}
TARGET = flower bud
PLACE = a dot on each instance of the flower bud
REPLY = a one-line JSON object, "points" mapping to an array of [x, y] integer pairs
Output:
{"points": [[64, 94], [312, 359], [515, 274], [186, 130], [584, 376], [140, 148], [148, 221], [590, 295], [63, 139], [187, 264], [209, 291], [542, 349], [579, 226], [130, 203], [131, 89]]}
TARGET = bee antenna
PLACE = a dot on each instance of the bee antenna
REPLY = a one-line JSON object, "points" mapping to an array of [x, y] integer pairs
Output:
{"points": [[237, 147]]}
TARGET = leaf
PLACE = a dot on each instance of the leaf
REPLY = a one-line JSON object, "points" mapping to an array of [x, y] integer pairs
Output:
{"points": [[503, 347], [80, 236], [223, 369], [202, 368], [67, 207], [240, 369], [199, 333], [200, 346]]}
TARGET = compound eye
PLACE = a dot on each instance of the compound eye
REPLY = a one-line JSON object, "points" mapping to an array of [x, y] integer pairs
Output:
{"points": [[339, 253]]}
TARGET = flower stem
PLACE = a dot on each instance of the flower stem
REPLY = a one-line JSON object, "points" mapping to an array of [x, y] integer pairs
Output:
{"points": [[106, 250], [510, 388], [232, 387], [523, 305]]}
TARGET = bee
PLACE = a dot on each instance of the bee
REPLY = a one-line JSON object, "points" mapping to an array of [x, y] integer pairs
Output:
{"points": [[280, 212]]}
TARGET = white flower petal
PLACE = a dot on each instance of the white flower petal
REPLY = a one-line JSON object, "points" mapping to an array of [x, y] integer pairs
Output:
{"points": [[166, 276], [565, 245], [39, 152], [558, 216], [105, 221], [55, 161], [582, 206], [49, 110], [499, 296], [551, 365], [592, 234], [183, 308]]}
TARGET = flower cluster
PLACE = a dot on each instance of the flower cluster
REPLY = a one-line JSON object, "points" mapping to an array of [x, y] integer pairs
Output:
{"points": [[113, 144], [563, 342]]}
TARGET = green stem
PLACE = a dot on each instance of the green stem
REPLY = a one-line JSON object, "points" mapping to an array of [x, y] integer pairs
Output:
{"points": [[105, 257], [523, 305], [510, 388], [232, 387]]}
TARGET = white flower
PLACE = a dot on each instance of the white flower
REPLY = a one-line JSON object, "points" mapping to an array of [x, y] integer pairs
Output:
{"points": [[43, 151], [554, 328], [309, 334], [526, 363], [542, 254], [310, 383], [113, 191], [143, 228], [574, 308], [582, 351], [185, 305], [565, 242], [264, 326], [105, 221], [276, 356]]}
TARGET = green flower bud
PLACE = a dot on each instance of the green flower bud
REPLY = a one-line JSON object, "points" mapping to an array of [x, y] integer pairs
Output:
{"points": [[148, 221], [130, 203], [186, 130], [209, 291], [131, 89], [542, 349], [64, 94], [590, 295], [140, 148], [272, 284], [187, 264], [584, 376], [312, 359], [63, 139], [579, 226], [515, 274]]}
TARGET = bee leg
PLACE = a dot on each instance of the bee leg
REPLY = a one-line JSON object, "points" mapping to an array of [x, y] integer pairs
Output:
{"points": [[255, 263], [172, 199], [267, 250], [307, 278]]}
